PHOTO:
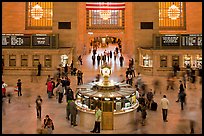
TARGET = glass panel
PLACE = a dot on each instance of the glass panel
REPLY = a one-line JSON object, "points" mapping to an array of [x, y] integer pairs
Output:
{"points": [[107, 106], [39, 15], [175, 60], [24, 60], [105, 19], [171, 15], [36, 60], [48, 61], [163, 61], [12, 60]]}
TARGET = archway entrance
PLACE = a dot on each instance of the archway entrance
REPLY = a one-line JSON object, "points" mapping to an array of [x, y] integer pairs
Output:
{"points": [[105, 42]]}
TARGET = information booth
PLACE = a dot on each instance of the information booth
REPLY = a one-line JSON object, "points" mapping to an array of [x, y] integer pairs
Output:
{"points": [[116, 101]]}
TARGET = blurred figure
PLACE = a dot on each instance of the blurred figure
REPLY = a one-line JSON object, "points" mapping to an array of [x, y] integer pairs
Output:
{"points": [[121, 60], [156, 85], [164, 106], [98, 76], [170, 82], [38, 102], [182, 97], [4, 85], [143, 113], [19, 87], [122, 79], [48, 124], [97, 120], [68, 110], [181, 90], [73, 111], [149, 98], [139, 80], [184, 78], [49, 88], [39, 69]]}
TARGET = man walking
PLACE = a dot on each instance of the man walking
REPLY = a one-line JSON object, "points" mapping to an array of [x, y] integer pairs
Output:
{"points": [[19, 87], [121, 60], [39, 69], [97, 120], [73, 111], [164, 105], [38, 102]]}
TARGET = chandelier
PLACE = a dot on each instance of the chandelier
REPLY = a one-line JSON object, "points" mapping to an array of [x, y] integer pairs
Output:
{"points": [[173, 12], [37, 12], [105, 14]]}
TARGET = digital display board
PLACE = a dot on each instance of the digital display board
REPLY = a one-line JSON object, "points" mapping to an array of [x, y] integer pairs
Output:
{"points": [[191, 41], [20, 40], [41, 40], [170, 41], [5, 40], [16, 40]]}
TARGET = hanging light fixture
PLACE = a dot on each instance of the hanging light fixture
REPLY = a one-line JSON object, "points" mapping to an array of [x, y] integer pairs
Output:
{"points": [[37, 12], [173, 12]]}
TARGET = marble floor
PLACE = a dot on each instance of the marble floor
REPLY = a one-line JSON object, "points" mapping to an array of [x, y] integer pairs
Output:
{"points": [[19, 116]]}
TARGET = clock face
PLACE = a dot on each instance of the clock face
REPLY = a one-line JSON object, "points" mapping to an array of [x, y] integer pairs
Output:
{"points": [[105, 71]]}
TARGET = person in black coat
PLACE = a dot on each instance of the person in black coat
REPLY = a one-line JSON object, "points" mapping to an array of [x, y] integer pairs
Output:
{"points": [[121, 60], [182, 97], [69, 94], [181, 90], [39, 69], [19, 87], [98, 59]]}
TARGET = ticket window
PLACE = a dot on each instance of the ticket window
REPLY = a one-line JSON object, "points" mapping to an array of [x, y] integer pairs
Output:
{"points": [[48, 62], [147, 62], [12, 60], [163, 61], [187, 60], [175, 60], [36, 60], [64, 60], [199, 60], [24, 60]]}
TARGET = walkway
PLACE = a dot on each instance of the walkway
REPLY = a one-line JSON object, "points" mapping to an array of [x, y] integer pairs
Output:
{"points": [[20, 114]]}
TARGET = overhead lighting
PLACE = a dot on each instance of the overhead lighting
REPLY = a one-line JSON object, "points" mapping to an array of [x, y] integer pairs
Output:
{"points": [[173, 12], [37, 12]]}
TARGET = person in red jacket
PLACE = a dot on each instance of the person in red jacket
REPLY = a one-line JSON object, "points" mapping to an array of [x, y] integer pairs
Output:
{"points": [[49, 89], [4, 85]]}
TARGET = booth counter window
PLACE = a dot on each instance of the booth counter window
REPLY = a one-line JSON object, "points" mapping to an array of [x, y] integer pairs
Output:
{"points": [[12, 60], [48, 61], [147, 61], [36, 60], [175, 60], [199, 61], [163, 61], [187, 60], [24, 60]]}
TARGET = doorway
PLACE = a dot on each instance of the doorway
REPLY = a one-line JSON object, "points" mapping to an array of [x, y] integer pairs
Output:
{"points": [[107, 115]]}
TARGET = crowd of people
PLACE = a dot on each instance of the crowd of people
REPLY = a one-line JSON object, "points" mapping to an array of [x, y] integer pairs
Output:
{"points": [[59, 86]]}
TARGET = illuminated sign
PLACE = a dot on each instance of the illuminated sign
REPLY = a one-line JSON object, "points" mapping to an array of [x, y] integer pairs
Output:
{"points": [[170, 41]]}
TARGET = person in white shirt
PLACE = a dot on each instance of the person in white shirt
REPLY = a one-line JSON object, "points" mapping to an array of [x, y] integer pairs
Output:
{"points": [[164, 105]]}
